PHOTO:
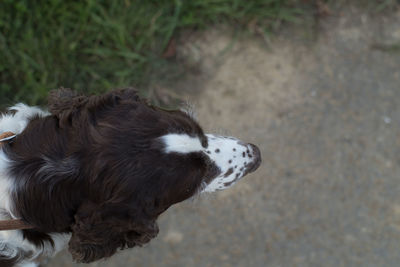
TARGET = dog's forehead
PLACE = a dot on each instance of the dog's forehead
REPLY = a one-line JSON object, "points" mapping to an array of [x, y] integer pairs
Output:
{"points": [[184, 143], [181, 143]]}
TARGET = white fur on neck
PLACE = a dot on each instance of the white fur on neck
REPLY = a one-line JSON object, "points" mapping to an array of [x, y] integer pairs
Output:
{"points": [[14, 239], [17, 122]]}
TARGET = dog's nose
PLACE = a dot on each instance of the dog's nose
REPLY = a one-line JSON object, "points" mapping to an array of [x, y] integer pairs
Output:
{"points": [[257, 158]]}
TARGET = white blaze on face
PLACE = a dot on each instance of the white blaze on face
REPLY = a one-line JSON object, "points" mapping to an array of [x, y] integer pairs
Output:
{"points": [[181, 143], [229, 154]]}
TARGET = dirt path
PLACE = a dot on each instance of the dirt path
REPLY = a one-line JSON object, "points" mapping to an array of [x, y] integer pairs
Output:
{"points": [[326, 114]]}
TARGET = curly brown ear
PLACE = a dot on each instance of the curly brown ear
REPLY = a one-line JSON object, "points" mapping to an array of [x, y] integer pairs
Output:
{"points": [[100, 230], [65, 103], [60, 100]]}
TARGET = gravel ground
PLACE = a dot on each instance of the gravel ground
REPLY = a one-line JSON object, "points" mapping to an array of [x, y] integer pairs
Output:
{"points": [[326, 115]]}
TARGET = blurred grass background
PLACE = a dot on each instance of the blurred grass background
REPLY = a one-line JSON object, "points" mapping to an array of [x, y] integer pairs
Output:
{"points": [[93, 46]]}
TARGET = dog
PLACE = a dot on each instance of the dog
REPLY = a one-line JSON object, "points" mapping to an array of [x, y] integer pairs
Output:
{"points": [[93, 173]]}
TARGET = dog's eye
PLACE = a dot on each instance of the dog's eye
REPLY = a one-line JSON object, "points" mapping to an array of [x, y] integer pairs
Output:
{"points": [[212, 172], [205, 155]]}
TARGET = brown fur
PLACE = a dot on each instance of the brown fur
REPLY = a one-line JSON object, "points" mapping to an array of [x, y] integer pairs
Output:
{"points": [[95, 168]]}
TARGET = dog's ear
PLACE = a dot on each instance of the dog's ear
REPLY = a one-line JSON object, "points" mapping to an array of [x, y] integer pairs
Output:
{"points": [[100, 229], [65, 103], [62, 99]]}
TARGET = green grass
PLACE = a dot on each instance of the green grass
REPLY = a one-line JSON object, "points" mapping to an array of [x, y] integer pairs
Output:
{"points": [[94, 46]]}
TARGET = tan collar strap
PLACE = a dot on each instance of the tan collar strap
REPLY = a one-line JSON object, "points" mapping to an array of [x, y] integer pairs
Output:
{"points": [[6, 136], [11, 224]]}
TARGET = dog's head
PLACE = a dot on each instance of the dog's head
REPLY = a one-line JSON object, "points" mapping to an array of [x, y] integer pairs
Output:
{"points": [[140, 160]]}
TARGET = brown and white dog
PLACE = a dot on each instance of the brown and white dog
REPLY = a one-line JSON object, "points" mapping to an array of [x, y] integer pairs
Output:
{"points": [[95, 172]]}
